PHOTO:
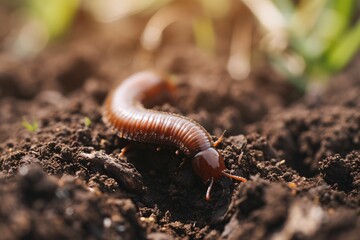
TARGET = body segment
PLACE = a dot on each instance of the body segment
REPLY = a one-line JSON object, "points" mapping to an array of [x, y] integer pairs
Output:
{"points": [[125, 112]]}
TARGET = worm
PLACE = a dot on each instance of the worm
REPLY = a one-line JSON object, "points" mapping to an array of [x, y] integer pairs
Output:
{"points": [[124, 111]]}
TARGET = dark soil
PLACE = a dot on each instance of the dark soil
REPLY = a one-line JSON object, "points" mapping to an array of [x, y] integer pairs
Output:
{"points": [[66, 180]]}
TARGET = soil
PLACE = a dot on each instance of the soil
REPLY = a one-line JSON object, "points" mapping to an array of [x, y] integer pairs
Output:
{"points": [[66, 179]]}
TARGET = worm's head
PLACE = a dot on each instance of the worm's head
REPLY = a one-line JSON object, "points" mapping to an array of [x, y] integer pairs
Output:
{"points": [[208, 164]]}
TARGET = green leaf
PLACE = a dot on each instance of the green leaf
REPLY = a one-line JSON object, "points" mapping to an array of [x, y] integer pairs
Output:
{"points": [[204, 34], [87, 121], [346, 47], [55, 15], [31, 127], [286, 7]]}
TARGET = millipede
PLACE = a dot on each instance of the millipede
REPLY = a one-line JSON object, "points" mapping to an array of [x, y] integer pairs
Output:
{"points": [[125, 112]]}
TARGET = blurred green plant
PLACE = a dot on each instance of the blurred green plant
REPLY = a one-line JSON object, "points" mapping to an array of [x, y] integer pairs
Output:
{"points": [[322, 37], [197, 15], [46, 20], [87, 121], [30, 126], [55, 15], [304, 40]]}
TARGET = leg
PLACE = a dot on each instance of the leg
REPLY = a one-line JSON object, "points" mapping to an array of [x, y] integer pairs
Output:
{"points": [[220, 139], [123, 151], [208, 191]]}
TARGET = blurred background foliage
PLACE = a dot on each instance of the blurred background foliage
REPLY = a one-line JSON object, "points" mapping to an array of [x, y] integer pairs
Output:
{"points": [[305, 41]]}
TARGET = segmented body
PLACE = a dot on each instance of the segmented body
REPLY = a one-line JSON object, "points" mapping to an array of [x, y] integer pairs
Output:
{"points": [[125, 112]]}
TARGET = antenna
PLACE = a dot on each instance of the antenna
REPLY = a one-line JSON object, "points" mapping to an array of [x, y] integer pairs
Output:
{"points": [[233, 176]]}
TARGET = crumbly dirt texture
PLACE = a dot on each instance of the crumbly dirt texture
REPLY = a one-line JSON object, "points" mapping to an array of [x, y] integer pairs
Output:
{"points": [[67, 180]]}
